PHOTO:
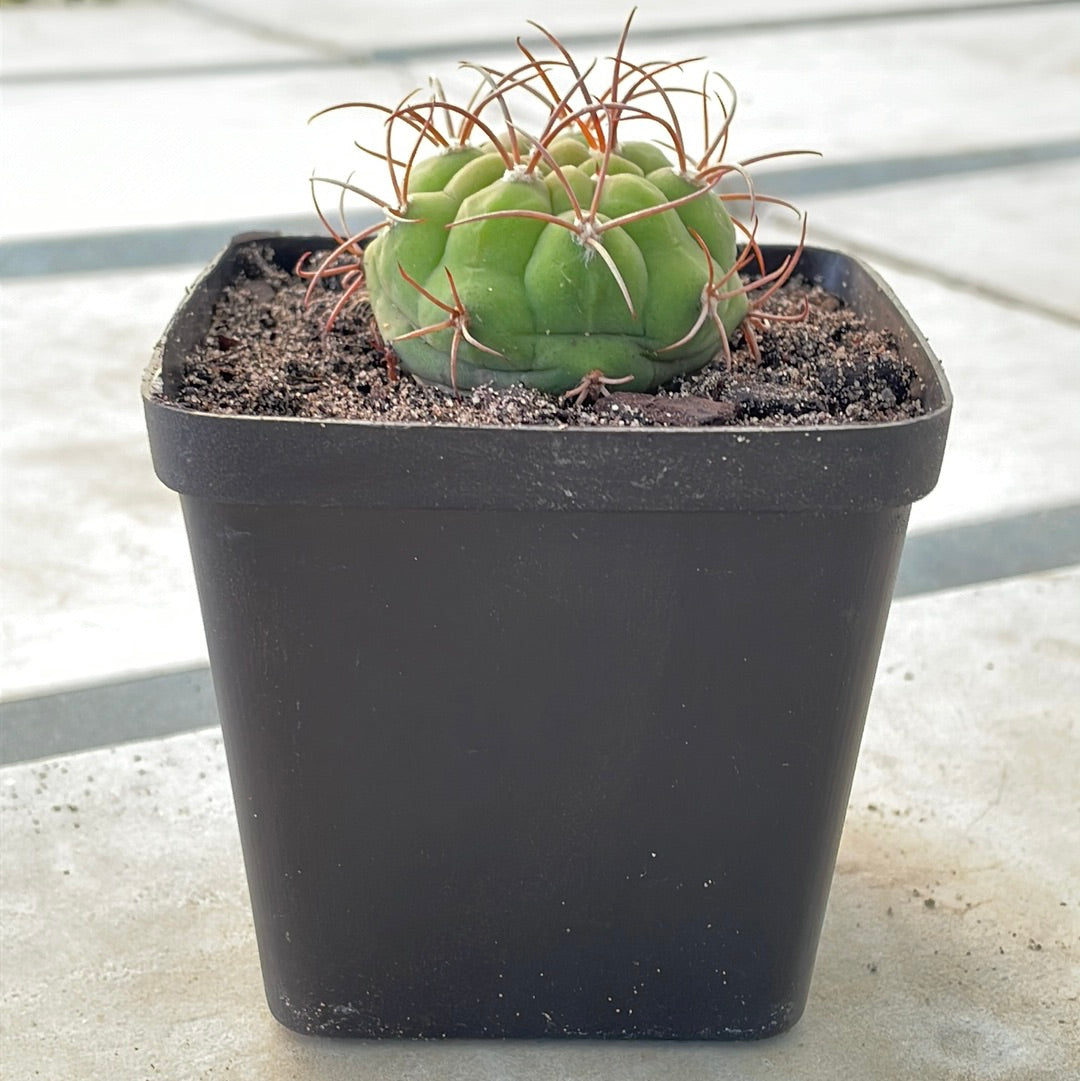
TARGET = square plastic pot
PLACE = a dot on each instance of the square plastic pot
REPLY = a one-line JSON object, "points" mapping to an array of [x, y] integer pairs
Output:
{"points": [[542, 732]]}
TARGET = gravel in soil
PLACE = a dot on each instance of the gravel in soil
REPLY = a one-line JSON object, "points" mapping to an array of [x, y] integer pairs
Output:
{"points": [[268, 354]]}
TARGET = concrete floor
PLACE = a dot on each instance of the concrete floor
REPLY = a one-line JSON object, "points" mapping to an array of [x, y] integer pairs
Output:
{"points": [[949, 949], [139, 134]]}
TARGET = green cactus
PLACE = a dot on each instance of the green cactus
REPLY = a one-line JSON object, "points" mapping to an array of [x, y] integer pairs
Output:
{"points": [[565, 260]]}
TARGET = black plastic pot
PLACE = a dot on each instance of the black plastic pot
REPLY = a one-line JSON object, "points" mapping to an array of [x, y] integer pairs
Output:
{"points": [[542, 732]]}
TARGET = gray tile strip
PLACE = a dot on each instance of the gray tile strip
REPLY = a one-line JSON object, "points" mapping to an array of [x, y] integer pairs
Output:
{"points": [[140, 249], [801, 182], [166, 704], [965, 555], [101, 716]]}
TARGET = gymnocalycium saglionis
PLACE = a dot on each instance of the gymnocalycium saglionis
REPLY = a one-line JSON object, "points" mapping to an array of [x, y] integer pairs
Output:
{"points": [[557, 254]]}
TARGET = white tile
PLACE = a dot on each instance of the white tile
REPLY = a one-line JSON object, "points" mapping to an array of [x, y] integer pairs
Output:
{"points": [[97, 578], [1011, 232], [899, 88], [44, 39], [170, 151], [947, 952], [1014, 443]]}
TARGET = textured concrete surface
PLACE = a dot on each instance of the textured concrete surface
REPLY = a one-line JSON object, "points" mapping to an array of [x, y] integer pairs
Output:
{"points": [[951, 949]]}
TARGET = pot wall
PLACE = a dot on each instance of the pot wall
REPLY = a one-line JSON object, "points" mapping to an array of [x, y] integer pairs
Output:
{"points": [[540, 732], [512, 774]]}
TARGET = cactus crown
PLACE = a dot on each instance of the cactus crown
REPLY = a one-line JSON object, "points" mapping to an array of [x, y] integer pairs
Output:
{"points": [[557, 254]]}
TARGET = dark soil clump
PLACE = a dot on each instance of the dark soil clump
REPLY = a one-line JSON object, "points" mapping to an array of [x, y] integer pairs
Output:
{"points": [[266, 355]]}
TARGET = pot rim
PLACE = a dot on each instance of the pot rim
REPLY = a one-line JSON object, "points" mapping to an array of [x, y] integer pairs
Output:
{"points": [[410, 464]]}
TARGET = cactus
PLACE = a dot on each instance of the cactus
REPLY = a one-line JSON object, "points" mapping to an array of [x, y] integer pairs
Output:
{"points": [[564, 259]]}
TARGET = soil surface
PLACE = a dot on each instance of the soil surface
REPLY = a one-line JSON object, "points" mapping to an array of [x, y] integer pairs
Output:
{"points": [[268, 355]]}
